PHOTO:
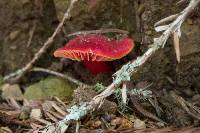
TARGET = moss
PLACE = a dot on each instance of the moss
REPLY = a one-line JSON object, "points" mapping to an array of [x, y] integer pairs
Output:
{"points": [[51, 86]]}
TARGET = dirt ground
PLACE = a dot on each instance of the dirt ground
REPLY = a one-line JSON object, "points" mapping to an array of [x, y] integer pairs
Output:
{"points": [[26, 24]]}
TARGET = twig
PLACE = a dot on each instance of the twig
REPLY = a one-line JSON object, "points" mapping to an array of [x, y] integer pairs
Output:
{"points": [[101, 31], [121, 10], [105, 123], [179, 100], [143, 111], [56, 114], [42, 121], [154, 103], [79, 83], [77, 127], [14, 77], [58, 109], [167, 19], [75, 113], [31, 33], [51, 117], [60, 101], [124, 93], [177, 46]]}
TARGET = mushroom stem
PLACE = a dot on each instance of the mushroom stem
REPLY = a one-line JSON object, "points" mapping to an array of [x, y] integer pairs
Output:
{"points": [[96, 67]]}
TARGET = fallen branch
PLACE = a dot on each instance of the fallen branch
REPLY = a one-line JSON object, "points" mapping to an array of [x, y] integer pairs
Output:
{"points": [[124, 74], [14, 77], [75, 81]]}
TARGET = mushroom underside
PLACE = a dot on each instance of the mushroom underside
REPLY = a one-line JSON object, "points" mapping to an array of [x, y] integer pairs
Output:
{"points": [[79, 56]]}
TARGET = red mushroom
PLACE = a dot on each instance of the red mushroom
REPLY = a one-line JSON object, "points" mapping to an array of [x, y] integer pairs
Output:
{"points": [[93, 50]]}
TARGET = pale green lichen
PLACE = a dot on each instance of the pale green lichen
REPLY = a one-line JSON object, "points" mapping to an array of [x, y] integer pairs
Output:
{"points": [[121, 105], [143, 93], [124, 73], [76, 112], [99, 87], [62, 127]]}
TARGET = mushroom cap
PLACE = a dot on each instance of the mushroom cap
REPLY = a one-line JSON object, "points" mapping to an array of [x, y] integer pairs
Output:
{"points": [[95, 48]]}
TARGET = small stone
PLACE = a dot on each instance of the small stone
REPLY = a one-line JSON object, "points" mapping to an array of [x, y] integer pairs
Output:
{"points": [[97, 124], [13, 35], [36, 113], [11, 91], [138, 124]]}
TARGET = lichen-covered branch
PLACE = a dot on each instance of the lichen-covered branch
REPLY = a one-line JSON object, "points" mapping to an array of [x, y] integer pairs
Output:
{"points": [[19, 73], [127, 70]]}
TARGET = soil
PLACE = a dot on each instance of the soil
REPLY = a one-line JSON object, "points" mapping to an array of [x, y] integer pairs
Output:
{"points": [[20, 18]]}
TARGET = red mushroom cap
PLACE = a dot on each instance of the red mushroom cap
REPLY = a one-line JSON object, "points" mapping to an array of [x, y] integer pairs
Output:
{"points": [[95, 48]]}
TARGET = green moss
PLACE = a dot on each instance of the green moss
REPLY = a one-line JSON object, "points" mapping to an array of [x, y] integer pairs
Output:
{"points": [[51, 86]]}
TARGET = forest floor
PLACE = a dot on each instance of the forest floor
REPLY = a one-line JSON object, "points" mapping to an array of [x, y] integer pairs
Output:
{"points": [[40, 98]]}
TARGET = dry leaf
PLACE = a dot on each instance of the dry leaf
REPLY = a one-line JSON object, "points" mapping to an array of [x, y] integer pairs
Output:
{"points": [[51, 117], [139, 124], [36, 113]]}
